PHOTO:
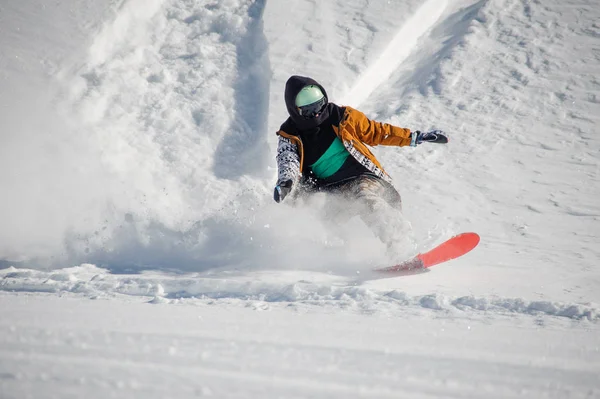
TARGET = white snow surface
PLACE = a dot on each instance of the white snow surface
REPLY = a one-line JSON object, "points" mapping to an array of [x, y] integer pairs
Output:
{"points": [[142, 255]]}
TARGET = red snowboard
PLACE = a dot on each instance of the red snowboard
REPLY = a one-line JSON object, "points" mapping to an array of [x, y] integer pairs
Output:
{"points": [[448, 250]]}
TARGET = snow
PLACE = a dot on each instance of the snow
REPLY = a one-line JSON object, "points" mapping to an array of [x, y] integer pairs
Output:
{"points": [[142, 254], [96, 349]]}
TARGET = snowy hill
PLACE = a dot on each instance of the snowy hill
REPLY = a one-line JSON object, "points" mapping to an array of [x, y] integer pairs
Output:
{"points": [[137, 166]]}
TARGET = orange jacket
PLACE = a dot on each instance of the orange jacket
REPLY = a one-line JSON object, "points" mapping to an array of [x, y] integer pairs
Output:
{"points": [[356, 131]]}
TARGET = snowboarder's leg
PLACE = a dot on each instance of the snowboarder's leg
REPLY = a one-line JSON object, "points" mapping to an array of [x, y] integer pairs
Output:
{"points": [[380, 207]]}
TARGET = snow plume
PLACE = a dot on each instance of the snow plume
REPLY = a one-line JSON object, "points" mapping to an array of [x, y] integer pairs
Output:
{"points": [[159, 157], [166, 124]]}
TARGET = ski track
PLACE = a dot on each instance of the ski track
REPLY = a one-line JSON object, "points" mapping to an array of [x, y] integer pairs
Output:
{"points": [[160, 351], [400, 47], [93, 282]]}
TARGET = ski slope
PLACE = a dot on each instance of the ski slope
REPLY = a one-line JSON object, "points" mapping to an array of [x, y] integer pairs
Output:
{"points": [[141, 253]]}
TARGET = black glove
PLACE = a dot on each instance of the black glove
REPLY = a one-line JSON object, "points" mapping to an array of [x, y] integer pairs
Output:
{"points": [[282, 190], [434, 136]]}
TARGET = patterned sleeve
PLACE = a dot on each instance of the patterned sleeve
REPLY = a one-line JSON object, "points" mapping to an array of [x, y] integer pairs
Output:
{"points": [[288, 160]]}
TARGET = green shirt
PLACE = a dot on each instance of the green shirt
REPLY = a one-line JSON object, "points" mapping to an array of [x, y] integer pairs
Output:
{"points": [[331, 161]]}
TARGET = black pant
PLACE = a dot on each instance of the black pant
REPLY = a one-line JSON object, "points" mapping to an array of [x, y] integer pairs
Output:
{"points": [[366, 188]]}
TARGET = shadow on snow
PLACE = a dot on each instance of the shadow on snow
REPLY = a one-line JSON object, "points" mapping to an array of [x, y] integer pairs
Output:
{"points": [[244, 149]]}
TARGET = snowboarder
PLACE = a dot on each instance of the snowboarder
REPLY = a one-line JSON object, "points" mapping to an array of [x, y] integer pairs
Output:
{"points": [[323, 148]]}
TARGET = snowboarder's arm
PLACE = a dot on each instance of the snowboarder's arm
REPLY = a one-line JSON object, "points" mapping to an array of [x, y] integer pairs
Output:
{"points": [[377, 133], [288, 167]]}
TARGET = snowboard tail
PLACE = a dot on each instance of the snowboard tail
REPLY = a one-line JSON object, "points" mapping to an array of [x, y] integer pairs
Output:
{"points": [[450, 249]]}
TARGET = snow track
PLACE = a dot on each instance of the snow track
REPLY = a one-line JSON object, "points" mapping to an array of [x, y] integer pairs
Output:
{"points": [[158, 351], [397, 51], [276, 288]]}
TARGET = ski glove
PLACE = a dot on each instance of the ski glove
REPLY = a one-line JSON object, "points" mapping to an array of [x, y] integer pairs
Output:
{"points": [[282, 190], [434, 136]]}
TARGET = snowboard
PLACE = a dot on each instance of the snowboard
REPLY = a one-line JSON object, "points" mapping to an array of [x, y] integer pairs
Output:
{"points": [[450, 249]]}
